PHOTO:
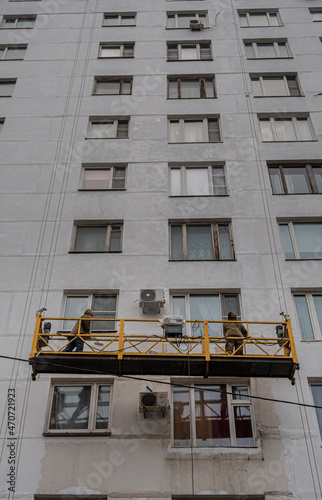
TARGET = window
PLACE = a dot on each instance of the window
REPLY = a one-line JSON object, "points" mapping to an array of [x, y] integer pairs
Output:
{"points": [[104, 128], [203, 307], [317, 398], [116, 50], [103, 177], [302, 240], [289, 128], [269, 49], [183, 87], [302, 178], [209, 416], [200, 241], [193, 130], [112, 86], [309, 314], [11, 52], [186, 51], [128, 19], [1, 123], [182, 20], [316, 14], [6, 87], [103, 306], [197, 180], [275, 85], [11, 22], [79, 407], [259, 18], [98, 238]]}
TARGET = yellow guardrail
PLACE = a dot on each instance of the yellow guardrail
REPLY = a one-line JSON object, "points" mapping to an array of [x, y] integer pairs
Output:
{"points": [[130, 339]]}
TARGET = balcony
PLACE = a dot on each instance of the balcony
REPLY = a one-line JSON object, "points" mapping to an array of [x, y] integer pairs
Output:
{"points": [[141, 347]]}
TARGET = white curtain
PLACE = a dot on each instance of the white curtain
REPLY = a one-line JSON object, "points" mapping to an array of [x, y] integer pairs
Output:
{"points": [[276, 181], [304, 129], [266, 50], [75, 308], [296, 180], [111, 52], [90, 239], [224, 242], [197, 181], [190, 89], [175, 181], [318, 308], [174, 131], [188, 53], [104, 130], [96, 179], [193, 131], [206, 307], [285, 130], [275, 86], [266, 131]]}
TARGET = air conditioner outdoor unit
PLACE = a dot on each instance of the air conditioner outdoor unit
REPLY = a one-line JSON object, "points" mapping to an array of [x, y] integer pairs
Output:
{"points": [[196, 25], [153, 402], [152, 298]]}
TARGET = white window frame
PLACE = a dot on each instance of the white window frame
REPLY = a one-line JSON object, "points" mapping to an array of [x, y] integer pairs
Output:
{"points": [[17, 19], [293, 237], [121, 79], [111, 168], [205, 131], [294, 124], [93, 121], [69, 382], [7, 47], [312, 313], [263, 78], [274, 43], [316, 12], [267, 12], [201, 80], [230, 404], [193, 44], [109, 229], [111, 45], [194, 16], [183, 178], [90, 299], [120, 16]]}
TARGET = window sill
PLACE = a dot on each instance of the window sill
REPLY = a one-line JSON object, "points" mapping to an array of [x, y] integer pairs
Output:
{"points": [[295, 194], [197, 195], [186, 27], [104, 138], [118, 57], [291, 142], [7, 29], [274, 96], [76, 433], [267, 58], [11, 59], [263, 26], [297, 260], [201, 260], [310, 340], [95, 251], [188, 98], [199, 142], [118, 25], [185, 60], [110, 94], [101, 189]]}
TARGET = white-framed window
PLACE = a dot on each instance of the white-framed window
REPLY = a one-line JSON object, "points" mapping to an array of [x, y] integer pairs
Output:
{"points": [[105, 128], [275, 85], [97, 238], [177, 20], [296, 178], [316, 389], [197, 180], [193, 130], [7, 87], [286, 128], [213, 415], [316, 14], [189, 51], [302, 240], [103, 305], [308, 307], [112, 85], [103, 177], [79, 407], [1, 124], [196, 307], [270, 49], [107, 50], [12, 52], [201, 241], [21, 22], [191, 87], [124, 19], [260, 18]]}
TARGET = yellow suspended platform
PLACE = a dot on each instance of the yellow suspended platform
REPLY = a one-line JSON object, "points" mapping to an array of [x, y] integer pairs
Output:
{"points": [[140, 347]]}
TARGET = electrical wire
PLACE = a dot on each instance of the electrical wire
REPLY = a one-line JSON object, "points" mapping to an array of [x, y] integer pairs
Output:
{"points": [[173, 384]]}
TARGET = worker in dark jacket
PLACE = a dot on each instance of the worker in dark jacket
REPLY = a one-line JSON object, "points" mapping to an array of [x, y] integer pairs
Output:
{"points": [[84, 329], [234, 330]]}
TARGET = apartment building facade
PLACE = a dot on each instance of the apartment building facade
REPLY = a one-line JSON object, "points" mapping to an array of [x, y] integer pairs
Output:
{"points": [[170, 147]]}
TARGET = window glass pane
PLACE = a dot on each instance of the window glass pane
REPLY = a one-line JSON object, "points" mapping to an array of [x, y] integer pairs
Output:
{"points": [[96, 179], [199, 243], [102, 130], [317, 398], [308, 237], [293, 86], [318, 308], [266, 50], [128, 20], [197, 181], [6, 89], [318, 177], [275, 86], [287, 243], [173, 89], [122, 129], [283, 50], [276, 180], [317, 16], [70, 407], [126, 89], [297, 180], [111, 20], [206, 308], [243, 20], [128, 50], [184, 20], [104, 306], [75, 308], [219, 181], [176, 243], [266, 130], [179, 309], [181, 416], [257, 91], [224, 242], [103, 407], [193, 131], [284, 130], [115, 239], [175, 181], [188, 52], [190, 89], [304, 129], [25, 23], [303, 316], [90, 239], [258, 19], [249, 50], [213, 130], [15, 53], [273, 19], [9, 23], [118, 178], [1, 53], [110, 87], [174, 131], [210, 88], [205, 51], [212, 422], [230, 304], [110, 51], [240, 392], [171, 21], [243, 426]]}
